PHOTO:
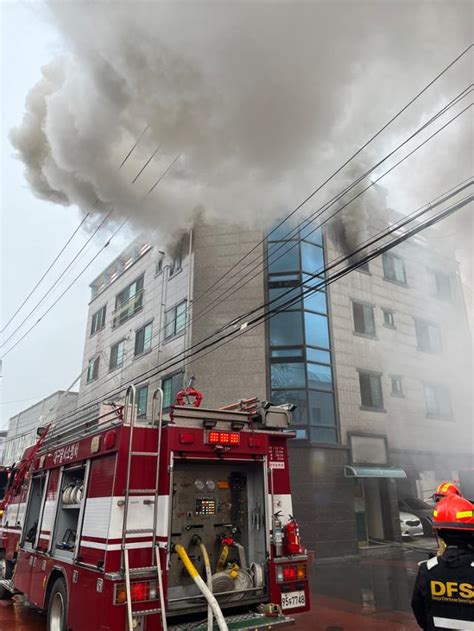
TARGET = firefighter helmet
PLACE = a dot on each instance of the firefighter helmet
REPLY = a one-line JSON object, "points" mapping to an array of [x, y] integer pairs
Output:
{"points": [[444, 490], [454, 513]]}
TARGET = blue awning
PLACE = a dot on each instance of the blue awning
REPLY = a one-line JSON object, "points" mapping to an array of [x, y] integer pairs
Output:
{"points": [[373, 472]]}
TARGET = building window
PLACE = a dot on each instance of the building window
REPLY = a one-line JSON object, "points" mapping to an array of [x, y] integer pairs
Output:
{"points": [[397, 390], [176, 264], [175, 320], [299, 338], [159, 264], [428, 337], [388, 318], [98, 320], [442, 286], [171, 386], [364, 267], [117, 354], [93, 369], [371, 390], [393, 268], [128, 302], [143, 339], [142, 401], [437, 400], [364, 322]]}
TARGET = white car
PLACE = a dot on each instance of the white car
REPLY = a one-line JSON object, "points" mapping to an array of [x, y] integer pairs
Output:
{"points": [[410, 525]]}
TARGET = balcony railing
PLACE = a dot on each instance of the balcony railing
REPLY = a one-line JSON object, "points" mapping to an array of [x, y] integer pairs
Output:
{"points": [[128, 309]]}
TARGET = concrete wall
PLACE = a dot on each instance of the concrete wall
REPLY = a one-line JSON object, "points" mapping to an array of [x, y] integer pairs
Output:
{"points": [[394, 352], [238, 369]]}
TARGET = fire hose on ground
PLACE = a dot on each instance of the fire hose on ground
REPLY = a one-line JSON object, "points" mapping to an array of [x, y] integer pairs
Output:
{"points": [[207, 565], [209, 596]]}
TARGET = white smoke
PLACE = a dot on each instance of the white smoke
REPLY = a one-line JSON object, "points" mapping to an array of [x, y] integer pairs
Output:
{"points": [[260, 101]]}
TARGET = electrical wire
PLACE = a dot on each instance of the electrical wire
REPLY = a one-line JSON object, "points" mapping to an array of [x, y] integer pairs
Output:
{"points": [[38, 304], [76, 278], [46, 272], [436, 78], [316, 214], [259, 266], [106, 244], [65, 270], [339, 169], [127, 156], [209, 342]]}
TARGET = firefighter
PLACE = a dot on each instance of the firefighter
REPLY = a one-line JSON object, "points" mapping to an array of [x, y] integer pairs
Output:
{"points": [[443, 596], [444, 489]]}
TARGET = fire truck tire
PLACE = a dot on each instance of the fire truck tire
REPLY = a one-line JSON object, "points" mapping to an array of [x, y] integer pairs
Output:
{"points": [[57, 607], [6, 572]]}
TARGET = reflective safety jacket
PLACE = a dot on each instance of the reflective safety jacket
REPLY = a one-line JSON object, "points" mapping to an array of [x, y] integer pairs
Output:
{"points": [[443, 596]]}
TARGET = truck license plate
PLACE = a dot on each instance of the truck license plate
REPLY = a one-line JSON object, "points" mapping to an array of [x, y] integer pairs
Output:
{"points": [[293, 599]]}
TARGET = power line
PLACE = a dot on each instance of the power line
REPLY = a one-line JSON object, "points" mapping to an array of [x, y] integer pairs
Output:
{"points": [[209, 342], [127, 156], [341, 168], [67, 289], [281, 246], [258, 266], [234, 334], [315, 215], [72, 236], [65, 270], [354, 155], [257, 321], [46, 272], [73, 281]]}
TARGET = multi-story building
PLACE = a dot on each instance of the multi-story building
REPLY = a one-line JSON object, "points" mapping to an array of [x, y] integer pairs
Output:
{"points": [[378, 363], [23, 426]]}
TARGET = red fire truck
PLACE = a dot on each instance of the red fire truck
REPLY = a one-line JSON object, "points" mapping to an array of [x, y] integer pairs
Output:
{"points": [[181, 523]]}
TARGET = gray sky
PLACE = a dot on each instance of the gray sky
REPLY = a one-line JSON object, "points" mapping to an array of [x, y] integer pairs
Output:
{"points": [[32, 232]]}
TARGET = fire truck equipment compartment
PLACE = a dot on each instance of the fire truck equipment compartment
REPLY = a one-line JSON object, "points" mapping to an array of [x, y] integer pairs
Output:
{"points": [[222, 515]]}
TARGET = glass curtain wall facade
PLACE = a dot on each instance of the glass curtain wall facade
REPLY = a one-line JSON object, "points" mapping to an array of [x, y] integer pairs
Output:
{"points": [[299, 338]]}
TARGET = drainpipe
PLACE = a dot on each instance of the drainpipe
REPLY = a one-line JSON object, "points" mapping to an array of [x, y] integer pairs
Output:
{"points": [[161, 332], [187, 337]]}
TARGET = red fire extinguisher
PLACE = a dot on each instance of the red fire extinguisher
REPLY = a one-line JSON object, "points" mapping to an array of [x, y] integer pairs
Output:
{"points": [[291, 537]]}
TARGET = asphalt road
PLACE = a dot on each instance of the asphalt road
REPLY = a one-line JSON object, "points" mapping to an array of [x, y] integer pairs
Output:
{"points": [[371, 593]]}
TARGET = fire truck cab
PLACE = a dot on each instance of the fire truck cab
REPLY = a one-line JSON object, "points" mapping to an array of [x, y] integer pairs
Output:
{"points": [[181, 523]]}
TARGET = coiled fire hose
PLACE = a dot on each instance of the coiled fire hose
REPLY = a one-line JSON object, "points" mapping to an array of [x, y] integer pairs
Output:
{"points": [[209, 596]]}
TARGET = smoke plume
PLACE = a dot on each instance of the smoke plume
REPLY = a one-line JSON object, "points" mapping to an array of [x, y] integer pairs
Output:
{"points": [[257, 102]]}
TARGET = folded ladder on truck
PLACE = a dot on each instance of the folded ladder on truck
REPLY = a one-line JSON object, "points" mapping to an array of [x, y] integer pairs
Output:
{"points": [[128, 572]]}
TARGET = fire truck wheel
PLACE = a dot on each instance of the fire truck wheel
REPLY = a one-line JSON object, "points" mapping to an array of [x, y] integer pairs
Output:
{"points": [[6, 572], [57, 607]]}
